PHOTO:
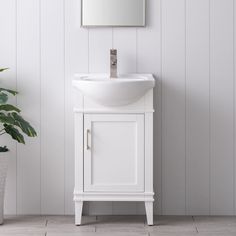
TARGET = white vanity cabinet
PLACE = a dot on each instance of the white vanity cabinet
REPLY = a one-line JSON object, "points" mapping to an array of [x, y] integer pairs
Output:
{"points": [[114, 153]]}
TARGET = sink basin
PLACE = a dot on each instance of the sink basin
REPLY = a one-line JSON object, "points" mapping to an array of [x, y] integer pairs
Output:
{"points": [[120, 91]]}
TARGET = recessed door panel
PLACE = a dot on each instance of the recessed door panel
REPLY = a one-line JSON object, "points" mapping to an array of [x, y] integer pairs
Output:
{"points": [[114, 153]]}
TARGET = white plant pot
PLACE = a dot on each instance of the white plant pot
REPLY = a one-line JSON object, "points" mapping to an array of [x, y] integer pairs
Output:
{"points": [[3, 175]]}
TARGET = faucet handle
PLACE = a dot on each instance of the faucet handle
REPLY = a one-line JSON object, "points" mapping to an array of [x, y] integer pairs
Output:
{"points": [[113, 51]]}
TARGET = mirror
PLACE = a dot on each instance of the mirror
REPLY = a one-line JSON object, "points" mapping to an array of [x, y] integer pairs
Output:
{"points": [[113, 13]]}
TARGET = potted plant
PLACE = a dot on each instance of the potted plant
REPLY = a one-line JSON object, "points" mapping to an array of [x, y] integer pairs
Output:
{"points": [[11, 123]]}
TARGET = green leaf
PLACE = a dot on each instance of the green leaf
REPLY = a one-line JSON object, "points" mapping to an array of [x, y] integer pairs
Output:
{"points": [[3, 98], [4, 149], [23, 125], [2, 69], [6, 119], [15, 119], [8, 107], [13, 92], [14, 133]]}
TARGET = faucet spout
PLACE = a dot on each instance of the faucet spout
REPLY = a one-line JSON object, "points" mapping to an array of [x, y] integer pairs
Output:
{"points": [[113, 63]]}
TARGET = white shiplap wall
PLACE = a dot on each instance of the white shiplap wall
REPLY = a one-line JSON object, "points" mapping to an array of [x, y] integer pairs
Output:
{"points": [[189, 45]]}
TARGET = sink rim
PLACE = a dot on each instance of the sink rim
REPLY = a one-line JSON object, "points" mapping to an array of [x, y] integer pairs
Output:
{"points": [[104, 78]]}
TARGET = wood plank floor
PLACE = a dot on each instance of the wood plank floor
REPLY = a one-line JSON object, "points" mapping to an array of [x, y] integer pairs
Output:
{"points": [[118, 226]]}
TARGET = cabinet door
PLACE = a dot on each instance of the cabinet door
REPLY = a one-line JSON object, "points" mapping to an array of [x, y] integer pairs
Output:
{"points": [[114, 153]]}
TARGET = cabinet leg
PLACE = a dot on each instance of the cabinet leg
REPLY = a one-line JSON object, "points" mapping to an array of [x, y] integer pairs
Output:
{"points": [[149, 212], [78, 212]]}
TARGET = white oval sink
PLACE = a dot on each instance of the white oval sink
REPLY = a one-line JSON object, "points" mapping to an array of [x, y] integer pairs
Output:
{"points": [[120, 91]]}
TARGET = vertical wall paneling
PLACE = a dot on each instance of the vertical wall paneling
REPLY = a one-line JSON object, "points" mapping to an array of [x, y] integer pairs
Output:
{"points": [[197, 107], [52, 107], [76, 58], [8, 79], [28, 86], [100, 43], [124, 40], [149, 61], [173, 91], [221, 96]]}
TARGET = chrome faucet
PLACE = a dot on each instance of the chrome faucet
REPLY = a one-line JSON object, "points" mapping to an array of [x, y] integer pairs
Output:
{"points": [[113, 63]]}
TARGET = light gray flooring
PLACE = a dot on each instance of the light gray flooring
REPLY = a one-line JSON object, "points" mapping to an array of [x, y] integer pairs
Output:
{"points": [[118, 226]]}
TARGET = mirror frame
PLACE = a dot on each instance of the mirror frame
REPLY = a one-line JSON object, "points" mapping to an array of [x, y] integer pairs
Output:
{"points": [[91, 26]]}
